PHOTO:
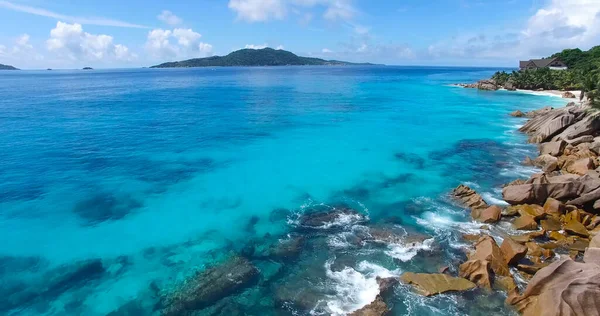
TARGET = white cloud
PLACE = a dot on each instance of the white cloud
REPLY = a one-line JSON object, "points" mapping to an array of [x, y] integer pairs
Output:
{"points": [[187, 44], [258, 10], [280, 47], [557, 25], [326, 51], [252, 46], [169, 18], [264, 10], [63, 17], [22, 51], [70, 41]]}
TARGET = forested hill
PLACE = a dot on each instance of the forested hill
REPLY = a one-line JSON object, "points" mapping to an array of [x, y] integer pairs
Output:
{"points": [[7, 67], [255, 57], [576, 59]]}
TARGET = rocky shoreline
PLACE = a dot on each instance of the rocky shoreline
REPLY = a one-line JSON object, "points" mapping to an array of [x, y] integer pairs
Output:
{"points": [[558, 255]]}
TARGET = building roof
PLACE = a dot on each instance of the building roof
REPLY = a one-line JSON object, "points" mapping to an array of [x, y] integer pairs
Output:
{"points": [[539, 63]]}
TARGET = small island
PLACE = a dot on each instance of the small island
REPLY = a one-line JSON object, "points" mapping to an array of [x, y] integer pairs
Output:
{"points": [[256, 57], [88, 68], [7, 67]]}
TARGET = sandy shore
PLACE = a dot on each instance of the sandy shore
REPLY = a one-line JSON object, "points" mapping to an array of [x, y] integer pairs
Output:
{"points": [[552, 93]]}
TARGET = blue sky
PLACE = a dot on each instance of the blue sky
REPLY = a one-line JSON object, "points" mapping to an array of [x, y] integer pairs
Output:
{"points": [[111, 33]]}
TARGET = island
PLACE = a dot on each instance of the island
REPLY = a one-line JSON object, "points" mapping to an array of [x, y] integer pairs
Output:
{"points": [[256, 57], [88, 68], [7, 67]]}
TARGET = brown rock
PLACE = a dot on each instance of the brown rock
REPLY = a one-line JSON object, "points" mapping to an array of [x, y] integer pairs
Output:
{"points": [[376, 308], [386, 285], [534, 250], [574, 227], [490, 215], [525, 222], [512, 251], [579, 245], [556, 236], [469, 197], [547, 162], [595, 242], [551, 224], [477, 271], [568, 95], [553, 148], [471, 237], [554, 207], [432, 284], [580, 166], [486, 249], [512, 210], [592, 255], [563, 288], [533, 210], [531, 269], [517, 113], [507, 284]]}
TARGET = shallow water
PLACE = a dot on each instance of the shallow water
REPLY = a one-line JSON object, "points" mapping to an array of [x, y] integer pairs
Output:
{"points": [[159, 173]]}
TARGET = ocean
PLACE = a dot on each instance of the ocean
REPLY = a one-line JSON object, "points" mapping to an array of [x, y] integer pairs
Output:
{"points": [[118, 185]]}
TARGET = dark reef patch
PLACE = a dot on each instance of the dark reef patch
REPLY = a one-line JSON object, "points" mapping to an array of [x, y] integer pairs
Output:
{"points": [[482, 159], [103, 207], [412, 159]]}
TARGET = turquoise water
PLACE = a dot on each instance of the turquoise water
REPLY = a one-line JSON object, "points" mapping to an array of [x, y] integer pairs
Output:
{"points": [[160, 173]]}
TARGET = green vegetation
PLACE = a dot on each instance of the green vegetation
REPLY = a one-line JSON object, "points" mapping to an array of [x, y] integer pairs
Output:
{"points": [[583, 74], [253, 57], [7, 67]]}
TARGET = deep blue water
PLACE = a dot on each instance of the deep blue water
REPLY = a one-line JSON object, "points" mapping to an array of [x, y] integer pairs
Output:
{"points": [[160, 173]]}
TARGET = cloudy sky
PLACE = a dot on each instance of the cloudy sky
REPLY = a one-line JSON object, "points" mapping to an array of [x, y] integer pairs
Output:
{"points": [[116, 33]]}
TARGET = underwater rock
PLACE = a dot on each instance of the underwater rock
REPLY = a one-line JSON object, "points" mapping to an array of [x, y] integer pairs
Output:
{"points": [[287, 249], [207, 287], [563, 288], [432, 284], [331, 219], [104, 207]]}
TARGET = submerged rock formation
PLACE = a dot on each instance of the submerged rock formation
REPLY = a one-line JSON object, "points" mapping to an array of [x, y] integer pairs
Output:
{"points": [[209, 286]]}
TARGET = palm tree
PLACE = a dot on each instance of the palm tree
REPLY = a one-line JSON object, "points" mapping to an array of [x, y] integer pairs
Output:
{"points": [[589, 83]]}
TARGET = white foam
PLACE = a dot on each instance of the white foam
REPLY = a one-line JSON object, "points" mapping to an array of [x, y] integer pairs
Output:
{"points": [[405, 252], [343, 220], [355, 288], [489, 198]]}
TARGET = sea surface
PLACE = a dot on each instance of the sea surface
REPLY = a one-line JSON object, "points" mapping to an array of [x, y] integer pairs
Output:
{"points": [[118, 185]]}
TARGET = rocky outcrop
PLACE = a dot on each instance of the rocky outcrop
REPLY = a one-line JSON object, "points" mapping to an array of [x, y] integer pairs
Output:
{"points": [[568, 95], [487, 249], [517, 113], [432, 284], [553, 148], [468, 197], [376, 308], [563, 288], [209, 286], [512, 251], [477, 271], [489, 215], [547, 163]]}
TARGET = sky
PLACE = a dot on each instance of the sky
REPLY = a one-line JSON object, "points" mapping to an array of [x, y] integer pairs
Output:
{"points": [[40, 34]]}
